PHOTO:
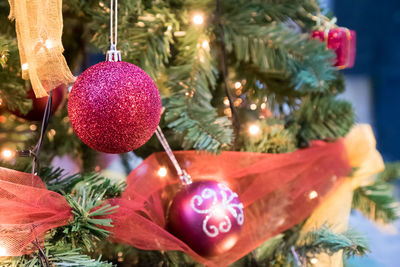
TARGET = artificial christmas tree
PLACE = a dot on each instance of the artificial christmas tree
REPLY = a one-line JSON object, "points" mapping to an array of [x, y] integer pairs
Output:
{"points": [[240, 81]]}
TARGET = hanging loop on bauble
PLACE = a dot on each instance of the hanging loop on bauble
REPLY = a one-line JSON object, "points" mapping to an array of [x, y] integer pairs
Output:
{"points": [[113, 54]]}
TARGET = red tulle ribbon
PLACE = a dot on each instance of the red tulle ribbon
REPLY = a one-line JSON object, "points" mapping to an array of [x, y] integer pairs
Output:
{"points": [[27, 211], [277, 190]]}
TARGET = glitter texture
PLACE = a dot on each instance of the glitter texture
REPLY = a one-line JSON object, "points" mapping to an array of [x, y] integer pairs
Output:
{"points": [[114, 107]]}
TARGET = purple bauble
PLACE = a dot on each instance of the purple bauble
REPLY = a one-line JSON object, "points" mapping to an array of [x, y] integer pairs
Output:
{"points": [[208, 216], [114, 107]]}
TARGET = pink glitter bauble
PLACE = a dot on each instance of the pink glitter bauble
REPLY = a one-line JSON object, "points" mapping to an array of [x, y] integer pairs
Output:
{"points": [[114, 107], [208, 216]]}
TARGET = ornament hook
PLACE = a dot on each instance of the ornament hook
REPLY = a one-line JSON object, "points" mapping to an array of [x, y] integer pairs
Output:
{"points": [[183, 175]]}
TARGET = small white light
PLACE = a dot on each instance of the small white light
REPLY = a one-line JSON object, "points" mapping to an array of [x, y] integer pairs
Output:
{"points": [[3, 252], [254, 129], [25, 66], [179, 34], [7, 154], [314, 260], [313, 194], [198, 19], [238, 85], [162, 172], [140, 24], [263, 105], [205, 45], [49, 44], [226, 102], [253, 106]]}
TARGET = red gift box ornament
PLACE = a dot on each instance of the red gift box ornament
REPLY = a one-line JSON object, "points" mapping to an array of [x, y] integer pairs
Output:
{"points": [[342, 41]]}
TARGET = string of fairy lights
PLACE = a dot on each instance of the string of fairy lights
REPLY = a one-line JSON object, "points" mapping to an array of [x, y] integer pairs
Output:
{"points": [[253, 129]]}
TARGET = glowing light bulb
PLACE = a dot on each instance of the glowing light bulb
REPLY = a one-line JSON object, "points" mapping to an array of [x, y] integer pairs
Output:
{"points": [[49, 44], [7, 154], [226, 101], [254, 129], [238, 85], [3, 251], [253, 106], [313, 194], [162, 172], [198, 19], [228, 112], [314, 261], [205, 45], [25, 66], [263, 105]]}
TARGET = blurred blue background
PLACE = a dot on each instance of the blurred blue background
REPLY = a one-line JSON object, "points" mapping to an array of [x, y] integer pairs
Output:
{"points": [[373, 86]]}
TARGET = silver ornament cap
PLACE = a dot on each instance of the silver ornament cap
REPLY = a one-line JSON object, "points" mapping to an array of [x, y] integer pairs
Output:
{"points": [[113, 55]]}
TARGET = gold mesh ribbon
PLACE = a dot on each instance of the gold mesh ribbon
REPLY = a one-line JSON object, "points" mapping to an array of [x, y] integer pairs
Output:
{"points": [[334, 211], [39, 26]]}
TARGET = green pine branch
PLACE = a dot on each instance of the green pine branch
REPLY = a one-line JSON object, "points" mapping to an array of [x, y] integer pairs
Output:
{"points": [[278, 49], [57, 255], [3, 51], [90, 222], [13, 89], [324, 240], [273, 138], [56, 180], [292, 248], [188, 109], [377, 201], [391, 173], [323, 117]]}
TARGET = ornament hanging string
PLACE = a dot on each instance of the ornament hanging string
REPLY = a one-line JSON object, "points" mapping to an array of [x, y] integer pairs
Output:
{"points": [[36, 166], [183, 175], [115, 16], [113, 54], [45, 123], [35, 151]]}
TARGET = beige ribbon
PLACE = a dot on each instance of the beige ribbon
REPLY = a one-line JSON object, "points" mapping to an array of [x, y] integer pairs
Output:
{"points": [[39, 26], [334, 211]]}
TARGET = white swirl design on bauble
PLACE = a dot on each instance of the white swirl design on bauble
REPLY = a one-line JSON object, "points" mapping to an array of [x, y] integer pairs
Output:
{"points": [[227, 195]]}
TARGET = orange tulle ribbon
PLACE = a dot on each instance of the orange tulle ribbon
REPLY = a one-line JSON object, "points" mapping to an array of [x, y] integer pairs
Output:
{"points": [[277, 190], [27, 211]]}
